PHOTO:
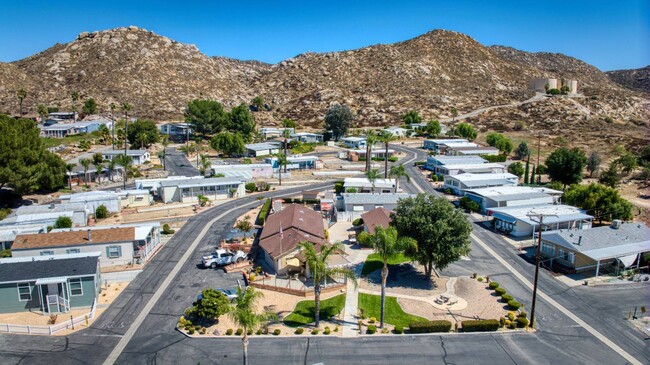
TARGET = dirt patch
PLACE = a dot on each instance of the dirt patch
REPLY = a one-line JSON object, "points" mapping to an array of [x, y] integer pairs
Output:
{"points": [[405, 279]]}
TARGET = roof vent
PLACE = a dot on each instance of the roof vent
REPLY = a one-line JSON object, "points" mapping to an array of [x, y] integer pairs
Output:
{"points": [[616, 223], [52, 206], [579, 241]]}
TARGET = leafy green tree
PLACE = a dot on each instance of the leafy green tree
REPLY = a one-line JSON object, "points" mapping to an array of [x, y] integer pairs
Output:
{"points": [[110, 169], [212, 305], [89, 107], [412, 117], [441, 230], [241, 121], [25, 164], [388, 245], [398, 172], [433, 128], [101, 212], [203, 200], [603, 202], [566, 165], [143, 132], [338, 120], [532, 174], [498, 140], [372, 175], [126, 162], [288, 123], [244, 225], [610, 176], [516, 168], [258, 103], [317, 262], [21, 94], [206, 116], [75, 98], [593, 163], [628, 162], [466, 131], [371, 139], [644, 156], [386, 138], [63, 222], [454, 114], [98, 158], [205, 165], [42, 112], [228, 143], [244, 315], [467, 203], [104, 133]]}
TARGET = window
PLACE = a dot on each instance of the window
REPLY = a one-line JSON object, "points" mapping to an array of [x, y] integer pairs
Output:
{"points": [[73, 250], [48, 252], [24, 292], [566, 255], [113, 252], [75, 287], [548, 249]]}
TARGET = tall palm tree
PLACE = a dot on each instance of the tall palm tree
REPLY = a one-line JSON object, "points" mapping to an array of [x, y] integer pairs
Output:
{"points": [[387, 245], [126, 162], [75, 97], [398, 172], [319, 269], [110, 168], [99, 166], [141, 138], [126, 108], [386, 137], [113, 107], [282, 161], [165, 142], [244, 314], [286, 134], [86, 164], [42, 112], [205, 164], [21, 94], [371, 139], [69, 167], [372, 176], [454, 114]]}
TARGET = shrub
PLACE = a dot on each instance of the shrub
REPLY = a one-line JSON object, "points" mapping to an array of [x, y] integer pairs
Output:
{"points": [[502, 321], [264, 212], [249, 332], [513, 304], [372, 320], [336, 329], [434, 177], [371, 329], [399, 330], [480, 279], [258, 332], [357, 222], [507, 322], [239, 332], [494, 285], [522, 322], [203, 330], [430, 326], [229, 332], [513, 325], [167, 230], [393, 159], [250, 187], [191, 331], [522, 314], [384, 330], [314, 331], [511, 316], [506, 298], [327, 331], [276, 332], [101, 212], [500, 291], [482, 325], [299, 331]]}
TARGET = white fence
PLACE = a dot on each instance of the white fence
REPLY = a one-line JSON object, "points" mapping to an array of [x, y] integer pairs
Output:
{"points": [[48, 330]]}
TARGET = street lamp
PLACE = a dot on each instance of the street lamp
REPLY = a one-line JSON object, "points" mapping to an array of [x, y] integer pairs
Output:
{"points": [[540, 220]]}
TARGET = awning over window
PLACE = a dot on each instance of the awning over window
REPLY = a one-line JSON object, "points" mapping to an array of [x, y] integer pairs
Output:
{"points": [[54, 280], [628, 260]]}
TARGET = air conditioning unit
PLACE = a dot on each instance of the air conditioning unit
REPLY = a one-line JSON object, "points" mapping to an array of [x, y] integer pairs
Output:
{"points": [[616, 223]]}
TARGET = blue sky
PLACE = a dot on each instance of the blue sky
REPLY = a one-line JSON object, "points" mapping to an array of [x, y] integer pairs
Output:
{"points": [[607, 34]]}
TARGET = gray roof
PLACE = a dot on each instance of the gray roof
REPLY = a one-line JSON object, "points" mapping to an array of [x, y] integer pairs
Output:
{"points": [[22, 270], [523, 196], [557, 213], [368, 198], [121, 152], [202, 182], [604, 242], [263, 146], [457, 160]]}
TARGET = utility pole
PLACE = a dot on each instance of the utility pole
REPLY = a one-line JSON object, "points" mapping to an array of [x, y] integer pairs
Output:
{"points": [[538, 218], [539, 144]]}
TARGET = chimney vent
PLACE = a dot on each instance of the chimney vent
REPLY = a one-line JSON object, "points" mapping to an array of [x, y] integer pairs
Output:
{"points": [[579, 240]]}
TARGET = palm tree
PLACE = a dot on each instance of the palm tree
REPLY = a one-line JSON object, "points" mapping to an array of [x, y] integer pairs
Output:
{"points": [[99, 166], [282, 161], [42, 111], [86, 164], [205, 164], [69, 167], [126, 108], [386, 137], [21, 94], [387, 245], [110, 168], [371, 139], [319, 269], [398, 172], [372, 176], [286, 134], [165, 143], [244, 314], [75, 97], [113, 107], [454, 114], [125, 162], [141, 138]]}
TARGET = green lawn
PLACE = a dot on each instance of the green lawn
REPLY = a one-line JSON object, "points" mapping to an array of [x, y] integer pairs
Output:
{"points": [[303, 314], [373, 262], [68, 140], [371, 305]]}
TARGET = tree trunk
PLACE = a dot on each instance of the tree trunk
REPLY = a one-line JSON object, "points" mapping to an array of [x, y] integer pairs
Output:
{"points": [[386, 162], [368, 154], [280, 175], [70, 181], [384, 276], [317, 303], [244, 341], [396, 184], [285, 153]]}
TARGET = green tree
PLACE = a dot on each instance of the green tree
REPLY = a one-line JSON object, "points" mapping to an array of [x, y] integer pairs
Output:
{"points": [[206, 116], [522, 151], [516, 168], [566, 165], [241, 121], [205, 165], [593, 163], [320, 269], [21, 94], [386, 138], [110, 169], [126, 162], [644, 156], [603, 202], [63, 222], [101, 212], [286, 135], [288, 123], [498, 140], [203, 200], [42, 112], [244, 225], [282, 161], [69, 168], [98, 158], [433, 128], [143, 132], [104, 133], [441, 230], [75, 98], [258, 103], [228, 143], [244, 315], [89, 107], [338, 120], [466, 131], [610, 177], [412, 117], [371, 139], [99, 168], [126, 108], [398, 172], [532, 175], [212, 305], [388, 245], [628, 162], [454, 114], [372, 175], [86, 165]]}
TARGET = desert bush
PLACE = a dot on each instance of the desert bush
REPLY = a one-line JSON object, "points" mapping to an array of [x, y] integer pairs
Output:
{"points": [[500, 291], [327, 331], [314, 331], [239, 332], [522, 322], [506, 298], [513, 304]]}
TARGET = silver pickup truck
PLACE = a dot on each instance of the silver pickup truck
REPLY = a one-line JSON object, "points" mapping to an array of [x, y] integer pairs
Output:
{"points": [[222, 258]]}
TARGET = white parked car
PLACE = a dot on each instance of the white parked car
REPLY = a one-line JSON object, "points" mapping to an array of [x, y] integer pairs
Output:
{"points": [[222, 258]]}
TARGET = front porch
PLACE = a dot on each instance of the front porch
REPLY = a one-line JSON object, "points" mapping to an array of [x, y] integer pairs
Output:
{"points": [[54, 295]]}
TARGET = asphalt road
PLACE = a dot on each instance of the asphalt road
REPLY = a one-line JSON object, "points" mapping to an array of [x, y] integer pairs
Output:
{"points": [[177, 163]]}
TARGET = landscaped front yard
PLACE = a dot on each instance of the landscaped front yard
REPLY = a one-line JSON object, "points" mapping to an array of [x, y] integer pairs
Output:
{"points": [[374, 263], [303, 314], [371, 307]]}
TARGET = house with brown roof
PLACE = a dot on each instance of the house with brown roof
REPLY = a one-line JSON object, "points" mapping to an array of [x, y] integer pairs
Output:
{"points": [[282, 233], [378, 217], [116, 245]]}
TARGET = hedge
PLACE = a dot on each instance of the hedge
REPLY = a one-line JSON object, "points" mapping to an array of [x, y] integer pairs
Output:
{"points": [[500, 291], [494, 285], [430, 326], [264, 212], [522, 322], [301, 201], [484, 325], [513, 304], [399, 330], [506, 298], [250, 187]]}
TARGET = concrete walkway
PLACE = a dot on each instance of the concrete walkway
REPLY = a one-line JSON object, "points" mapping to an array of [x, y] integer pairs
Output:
{"points": [[350, 318]]}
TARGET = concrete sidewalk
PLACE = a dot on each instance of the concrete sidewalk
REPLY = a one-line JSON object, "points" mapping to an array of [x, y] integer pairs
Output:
{"points": [[350, 317]]}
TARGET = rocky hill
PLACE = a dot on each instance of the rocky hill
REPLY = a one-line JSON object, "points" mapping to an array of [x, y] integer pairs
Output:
{"points": [[635, 79]]}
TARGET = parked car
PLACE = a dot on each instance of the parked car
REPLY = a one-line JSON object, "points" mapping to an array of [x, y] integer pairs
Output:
{"points": [[222, 258]]}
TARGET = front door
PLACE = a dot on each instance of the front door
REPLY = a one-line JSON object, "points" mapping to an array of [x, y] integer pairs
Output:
{"points": [[53, 298]]}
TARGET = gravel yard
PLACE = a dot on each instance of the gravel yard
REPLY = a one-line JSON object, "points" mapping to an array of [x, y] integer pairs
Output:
{"points": [[406, 279]]}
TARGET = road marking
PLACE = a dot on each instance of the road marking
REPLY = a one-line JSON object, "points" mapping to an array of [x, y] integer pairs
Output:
{"points": [[551, 301]]}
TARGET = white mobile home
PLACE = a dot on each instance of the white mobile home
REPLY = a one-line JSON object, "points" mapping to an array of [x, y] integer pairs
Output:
{"points": [[187, 191], [516, 221], [465, 181]]}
